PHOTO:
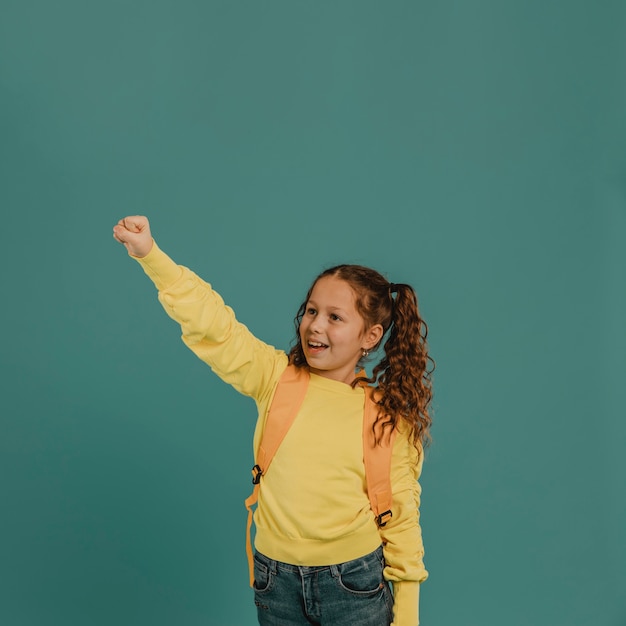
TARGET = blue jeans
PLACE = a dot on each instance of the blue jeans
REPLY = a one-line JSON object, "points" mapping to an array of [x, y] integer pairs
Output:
{"points": [[346, 594]]}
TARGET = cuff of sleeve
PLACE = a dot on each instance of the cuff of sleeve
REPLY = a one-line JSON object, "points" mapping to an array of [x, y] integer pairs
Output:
{"points": [[161, 270], [406, 596]]}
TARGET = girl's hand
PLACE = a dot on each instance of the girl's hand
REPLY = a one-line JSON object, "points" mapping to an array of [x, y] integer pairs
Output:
{"points": [[134, 233]]}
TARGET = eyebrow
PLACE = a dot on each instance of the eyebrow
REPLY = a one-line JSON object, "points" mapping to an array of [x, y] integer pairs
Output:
{"points": [[330, 308]]}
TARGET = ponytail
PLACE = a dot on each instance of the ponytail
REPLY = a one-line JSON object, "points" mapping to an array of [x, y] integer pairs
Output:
{"points": [[403, 375]]}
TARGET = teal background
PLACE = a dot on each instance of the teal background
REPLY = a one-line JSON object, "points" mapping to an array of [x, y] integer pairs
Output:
{"points": [[476, 150]]}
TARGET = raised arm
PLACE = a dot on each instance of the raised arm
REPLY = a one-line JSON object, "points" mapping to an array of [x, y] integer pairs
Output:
{"points": [[209, 327]]}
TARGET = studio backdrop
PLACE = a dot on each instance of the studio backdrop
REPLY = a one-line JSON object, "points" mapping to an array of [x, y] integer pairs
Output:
{"points": [[474, 150]]}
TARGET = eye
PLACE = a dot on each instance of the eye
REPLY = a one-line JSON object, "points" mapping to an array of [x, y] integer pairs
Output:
{"points": [[335, 317], [311, 311]]}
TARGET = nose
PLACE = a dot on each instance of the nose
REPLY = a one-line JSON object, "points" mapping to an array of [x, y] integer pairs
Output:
{"points": [[316, 325]]}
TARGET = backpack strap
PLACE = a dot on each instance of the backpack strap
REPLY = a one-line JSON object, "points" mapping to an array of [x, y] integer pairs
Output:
{"points": [[377, 460], [288, 397]]}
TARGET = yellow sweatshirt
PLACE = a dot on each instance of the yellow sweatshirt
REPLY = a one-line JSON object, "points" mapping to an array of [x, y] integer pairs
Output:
{"points": [[313, 507]]}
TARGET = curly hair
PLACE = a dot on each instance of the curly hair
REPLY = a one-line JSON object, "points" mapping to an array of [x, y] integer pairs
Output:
{"points": [[403, 376]]}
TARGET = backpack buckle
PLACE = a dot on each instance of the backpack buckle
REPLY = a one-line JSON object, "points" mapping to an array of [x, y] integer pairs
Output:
{"points": [[257, 472], [379, 518]]}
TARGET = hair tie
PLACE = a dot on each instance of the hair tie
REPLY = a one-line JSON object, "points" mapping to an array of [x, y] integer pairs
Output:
{"points": [[393, 288]]}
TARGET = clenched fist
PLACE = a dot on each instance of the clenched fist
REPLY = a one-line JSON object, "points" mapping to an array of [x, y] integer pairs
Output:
{"points": [[134, 233]]}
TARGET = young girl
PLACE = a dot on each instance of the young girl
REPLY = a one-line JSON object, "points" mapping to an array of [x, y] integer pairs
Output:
{"points": [[321, 557]]}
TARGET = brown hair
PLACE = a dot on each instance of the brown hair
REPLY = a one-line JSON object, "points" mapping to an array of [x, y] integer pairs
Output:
{"points": [[403, 375]]}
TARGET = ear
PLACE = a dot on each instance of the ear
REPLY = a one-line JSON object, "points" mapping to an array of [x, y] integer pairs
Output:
{"points": [[372, 336]]}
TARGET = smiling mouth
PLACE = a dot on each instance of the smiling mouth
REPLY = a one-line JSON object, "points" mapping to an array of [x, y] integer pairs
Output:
{"points": [[316, 346]]}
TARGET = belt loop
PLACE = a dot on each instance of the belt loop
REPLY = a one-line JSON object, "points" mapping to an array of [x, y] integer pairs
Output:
{"points": [[334, 571]]}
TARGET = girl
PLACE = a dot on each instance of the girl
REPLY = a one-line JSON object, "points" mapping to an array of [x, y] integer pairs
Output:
{"points": [[320, 556]]}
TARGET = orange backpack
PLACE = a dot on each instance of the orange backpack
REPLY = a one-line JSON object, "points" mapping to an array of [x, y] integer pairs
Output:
{"points": [[288, 397]]}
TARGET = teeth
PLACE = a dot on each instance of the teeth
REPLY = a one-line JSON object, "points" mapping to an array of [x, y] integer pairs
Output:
{"points": [[316, 344]]}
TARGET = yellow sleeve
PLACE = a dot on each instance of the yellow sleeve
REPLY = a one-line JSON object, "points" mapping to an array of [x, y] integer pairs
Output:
{"points": [[210, 328], [402, 535], [406, 597], [161, 270]]}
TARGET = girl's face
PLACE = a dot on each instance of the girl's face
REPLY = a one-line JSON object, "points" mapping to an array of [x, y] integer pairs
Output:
{"points": [[332, 331]]}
